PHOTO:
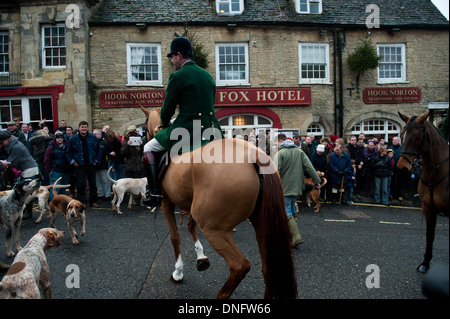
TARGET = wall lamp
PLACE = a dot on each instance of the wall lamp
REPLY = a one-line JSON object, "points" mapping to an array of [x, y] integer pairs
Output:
{"points": [[141, 25]]}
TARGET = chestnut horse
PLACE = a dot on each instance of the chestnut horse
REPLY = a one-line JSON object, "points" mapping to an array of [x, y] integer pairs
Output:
{"points": [[220, 194], [420, 139]]}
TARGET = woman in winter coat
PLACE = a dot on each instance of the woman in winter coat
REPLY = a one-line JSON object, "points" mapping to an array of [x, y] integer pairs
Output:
{"points": [[340, 171], [382, 165], [56, 164], [112, 149]]}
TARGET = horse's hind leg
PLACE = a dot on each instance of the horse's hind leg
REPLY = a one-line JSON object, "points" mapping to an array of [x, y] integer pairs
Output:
{"points": [[202, 260], [168, 209], [238, 265]]}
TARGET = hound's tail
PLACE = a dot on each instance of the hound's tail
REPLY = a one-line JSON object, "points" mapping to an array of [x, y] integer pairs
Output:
{"points": [[109, 177], [55, 186]]}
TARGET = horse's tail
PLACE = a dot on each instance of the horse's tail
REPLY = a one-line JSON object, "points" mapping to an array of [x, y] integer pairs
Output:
{"points": [[274, 239]]}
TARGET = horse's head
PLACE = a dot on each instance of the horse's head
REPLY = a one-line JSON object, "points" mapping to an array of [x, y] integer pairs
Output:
{"points": [[413, 139], [152, 122]]}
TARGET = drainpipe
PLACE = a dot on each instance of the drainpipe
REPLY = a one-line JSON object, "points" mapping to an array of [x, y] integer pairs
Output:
{"points": [[334, 82], [340, 47]]}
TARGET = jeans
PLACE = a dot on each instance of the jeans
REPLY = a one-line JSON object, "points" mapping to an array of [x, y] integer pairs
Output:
{"points": [[290, 201], [381, 186]]}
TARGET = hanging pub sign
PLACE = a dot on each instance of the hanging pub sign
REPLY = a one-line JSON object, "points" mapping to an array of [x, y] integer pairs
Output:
{"points": [[224, 97], [391, 95]]}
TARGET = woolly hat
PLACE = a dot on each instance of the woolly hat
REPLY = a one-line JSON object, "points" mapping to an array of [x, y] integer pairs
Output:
{"points": [[4, 135], [320, 148]]}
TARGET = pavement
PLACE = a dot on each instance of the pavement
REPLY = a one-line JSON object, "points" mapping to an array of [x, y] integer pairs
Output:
{"points": [[130, 256]]}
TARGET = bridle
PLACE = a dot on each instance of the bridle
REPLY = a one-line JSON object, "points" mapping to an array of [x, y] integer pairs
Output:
{"points": [[416, 161]]}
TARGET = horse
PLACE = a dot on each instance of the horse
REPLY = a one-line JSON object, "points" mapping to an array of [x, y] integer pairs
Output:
{"points": [[220, 192], [420, 139]]}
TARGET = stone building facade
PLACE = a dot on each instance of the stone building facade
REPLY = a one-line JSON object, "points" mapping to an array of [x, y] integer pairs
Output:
{"points": [[44, 70], [277, 65], [278, 40]]}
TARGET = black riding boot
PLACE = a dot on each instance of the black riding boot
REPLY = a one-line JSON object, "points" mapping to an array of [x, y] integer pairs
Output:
{"points": [[151, 169]]}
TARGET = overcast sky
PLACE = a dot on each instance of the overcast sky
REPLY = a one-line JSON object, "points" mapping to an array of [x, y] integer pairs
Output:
{"points": [[442, 5]]}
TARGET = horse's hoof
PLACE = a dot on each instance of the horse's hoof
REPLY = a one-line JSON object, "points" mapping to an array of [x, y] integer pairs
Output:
{"points": [[422, 269], [175, 280], [202, 264]]}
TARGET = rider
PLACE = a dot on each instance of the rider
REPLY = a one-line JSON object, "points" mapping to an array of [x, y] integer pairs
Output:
{"points": [[192, 89]]}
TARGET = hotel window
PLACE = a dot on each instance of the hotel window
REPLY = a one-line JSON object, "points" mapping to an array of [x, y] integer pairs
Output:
{"points": [[54, 46], [379, 128], [314, 63], [30, 109], [144, 64], [308, 6], [4, 53], [244, 124], [392, 66], [229, 7], [232, 64]]}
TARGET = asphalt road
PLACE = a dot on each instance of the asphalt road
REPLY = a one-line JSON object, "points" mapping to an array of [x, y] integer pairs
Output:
{"points": [[130, 256]]}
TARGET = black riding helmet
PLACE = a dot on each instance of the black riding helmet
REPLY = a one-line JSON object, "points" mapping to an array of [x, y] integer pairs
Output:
{"points": [[182, 45]]}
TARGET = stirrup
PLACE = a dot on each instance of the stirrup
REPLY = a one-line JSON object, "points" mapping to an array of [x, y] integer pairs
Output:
{"points": [[153, 200]]}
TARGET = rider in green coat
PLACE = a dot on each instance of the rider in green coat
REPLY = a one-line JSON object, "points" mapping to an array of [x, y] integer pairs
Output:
{"points": [[192, 89]]}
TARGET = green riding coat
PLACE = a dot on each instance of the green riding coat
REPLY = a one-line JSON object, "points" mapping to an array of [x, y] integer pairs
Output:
{"points": [[192, 89]]}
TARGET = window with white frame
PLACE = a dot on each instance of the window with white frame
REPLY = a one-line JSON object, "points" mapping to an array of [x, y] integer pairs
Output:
{"points": [[379, 128], [144, 64], [4, 53], [316, 129], [30, 109], [392, 66], [229, 7], [314, 63], [244, 124], [232, 64], [54, 46], [308, 6]]}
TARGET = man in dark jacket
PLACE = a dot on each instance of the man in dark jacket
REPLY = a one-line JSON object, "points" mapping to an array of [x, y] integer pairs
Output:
{"points": [[83, 153], [193, 90]]}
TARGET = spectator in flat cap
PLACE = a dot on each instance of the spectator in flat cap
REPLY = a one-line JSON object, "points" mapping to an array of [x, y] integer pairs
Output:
{"points": [[14, 130]]}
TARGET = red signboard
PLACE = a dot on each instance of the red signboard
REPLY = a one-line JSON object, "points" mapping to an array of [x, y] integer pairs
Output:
{"points": [[132, 98], [263, 96], [391, 95], [224, 97]]}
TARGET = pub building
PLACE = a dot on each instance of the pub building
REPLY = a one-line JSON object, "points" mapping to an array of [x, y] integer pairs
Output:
{"points": [[279, 65]]}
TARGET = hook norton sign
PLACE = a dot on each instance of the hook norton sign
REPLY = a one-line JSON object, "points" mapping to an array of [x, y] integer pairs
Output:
{"points": [[224, 97], [391, 95]]}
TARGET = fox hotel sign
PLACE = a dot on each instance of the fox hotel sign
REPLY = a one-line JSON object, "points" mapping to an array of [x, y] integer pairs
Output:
{"points": [[224, 97]]}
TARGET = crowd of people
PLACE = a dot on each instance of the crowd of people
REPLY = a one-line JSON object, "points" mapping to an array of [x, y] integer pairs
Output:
{"points": [[355, 169], [78, 157], [358, 168]]}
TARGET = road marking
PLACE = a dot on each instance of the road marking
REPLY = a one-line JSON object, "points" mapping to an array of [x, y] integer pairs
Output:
{"points": [[394, 223], [340, 220]]}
